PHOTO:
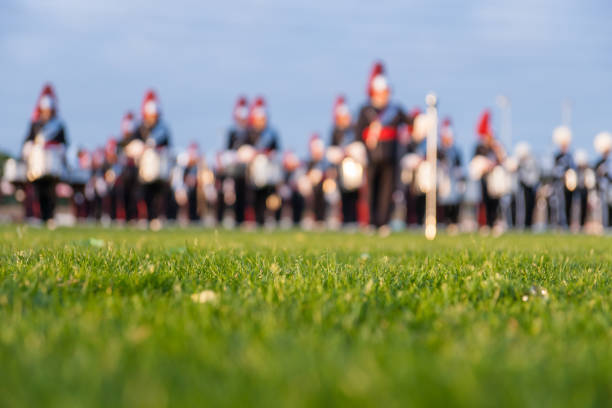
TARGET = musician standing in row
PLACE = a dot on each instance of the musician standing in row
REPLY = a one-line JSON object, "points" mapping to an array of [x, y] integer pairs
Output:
{"points": [[128, 192], [489, 148], [154, 133], [528, 180], [377, 126], [449, 159], [236, 137], [316, 166], [564, 174], [343, 134], [603, 172], [46, 131], [263, 138]]}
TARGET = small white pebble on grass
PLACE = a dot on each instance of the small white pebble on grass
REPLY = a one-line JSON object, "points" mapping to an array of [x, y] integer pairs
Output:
{"points": [[205, 296]]}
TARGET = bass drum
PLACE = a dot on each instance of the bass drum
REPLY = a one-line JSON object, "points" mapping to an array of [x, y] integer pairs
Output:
{"points": [[154, 166], [498, 182], [44, 162]]}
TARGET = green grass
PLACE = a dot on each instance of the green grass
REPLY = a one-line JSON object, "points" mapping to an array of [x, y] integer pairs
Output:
{"points": [[95, 317]]}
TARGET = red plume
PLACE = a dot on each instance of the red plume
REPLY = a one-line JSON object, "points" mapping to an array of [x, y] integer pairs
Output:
{"points": [[377, 70], [258, 108], [483, 129], [340, 107], [241, 110], [127, 123], [46, 91], [150, 97]]}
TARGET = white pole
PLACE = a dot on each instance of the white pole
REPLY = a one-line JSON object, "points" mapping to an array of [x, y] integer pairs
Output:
{"points": [[432, 160]]}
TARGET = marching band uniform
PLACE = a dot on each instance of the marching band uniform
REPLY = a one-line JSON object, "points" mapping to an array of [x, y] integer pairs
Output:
{"points": [[128, 192], [489, 148], [563, 163], [342, 134], [582, 189], [528, 175], [154, 133], [317, 165], [291, 196], [265, 140], [377, 126], [236, 137], [603, 172], [449, 159], [47, 128]]}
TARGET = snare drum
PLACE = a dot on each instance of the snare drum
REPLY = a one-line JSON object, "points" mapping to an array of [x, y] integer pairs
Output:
{"points": [[44, 162]]}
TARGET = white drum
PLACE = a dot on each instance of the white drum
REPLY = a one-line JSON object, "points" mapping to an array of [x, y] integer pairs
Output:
{"points": [[14, 171], [44, 161], [264, 172], [350, 174], [498, 182], [154, 165]]}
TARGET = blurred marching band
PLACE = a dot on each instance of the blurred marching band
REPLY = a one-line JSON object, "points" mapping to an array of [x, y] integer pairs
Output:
{"points": [[376, 171]]}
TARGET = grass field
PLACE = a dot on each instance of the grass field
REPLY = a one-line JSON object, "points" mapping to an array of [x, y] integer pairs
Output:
{"points": [[95, 317]]}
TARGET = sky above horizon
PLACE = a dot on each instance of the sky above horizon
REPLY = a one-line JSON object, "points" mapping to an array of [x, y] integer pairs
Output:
{"points": [[102, 56]]}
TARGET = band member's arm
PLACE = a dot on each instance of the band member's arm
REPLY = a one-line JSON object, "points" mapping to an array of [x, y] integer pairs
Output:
{"points": [[60, 136], [362, 123], [31, 134], [232, 139]]}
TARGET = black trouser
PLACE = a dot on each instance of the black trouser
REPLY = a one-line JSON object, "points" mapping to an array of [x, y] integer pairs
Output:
{"points": [[240, 188], [381, 180], [45, 193], [569, 199], [349, 206], [155, 198], [297, 207], [419, 205], [220, 199], [192, 204], [582, 202], [129, 193], [261, 196], [491, 204], [529, 196], [171, 205], [318, 202], [450, 213]]}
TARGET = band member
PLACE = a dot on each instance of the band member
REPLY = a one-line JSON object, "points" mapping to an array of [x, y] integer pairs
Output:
{"points": [[293, 200], [190, 177], [603, 171], [265, 142], [316, 168], [528, 178], [96, 188], [564, 173], [449, 159], [493, 155], [154, 133], [128, 192], [581, 193], [342, 135], [377, 126], [111, 170], [236, 137], [415, 160], [43, 150]]}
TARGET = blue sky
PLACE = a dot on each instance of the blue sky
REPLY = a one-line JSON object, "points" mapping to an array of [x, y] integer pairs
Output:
{"points": [[101, 56]]}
